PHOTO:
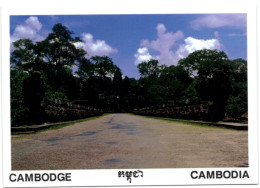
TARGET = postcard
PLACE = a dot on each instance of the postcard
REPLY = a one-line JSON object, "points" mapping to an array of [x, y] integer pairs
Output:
{"points": [[97, 96]]}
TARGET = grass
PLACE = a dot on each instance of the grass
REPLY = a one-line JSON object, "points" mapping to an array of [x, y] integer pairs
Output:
{"points": [[62, 124], [65, 124], [186, 122]]}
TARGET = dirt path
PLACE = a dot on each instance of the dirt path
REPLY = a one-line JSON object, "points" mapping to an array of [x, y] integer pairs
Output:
{"points": [[128, 141]]}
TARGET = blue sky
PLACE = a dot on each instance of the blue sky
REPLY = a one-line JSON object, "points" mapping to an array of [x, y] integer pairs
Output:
{"points": [[131, 39]]}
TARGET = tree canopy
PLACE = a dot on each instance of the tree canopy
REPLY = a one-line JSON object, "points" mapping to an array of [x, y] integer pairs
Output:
{"points": [[57, 69]]}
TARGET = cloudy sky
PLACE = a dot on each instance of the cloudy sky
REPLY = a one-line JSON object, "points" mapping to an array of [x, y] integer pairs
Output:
{"points": [[132, 39]]}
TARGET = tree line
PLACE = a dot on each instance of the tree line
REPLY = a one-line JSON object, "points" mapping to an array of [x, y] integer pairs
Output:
{"points": [[55, 69]]}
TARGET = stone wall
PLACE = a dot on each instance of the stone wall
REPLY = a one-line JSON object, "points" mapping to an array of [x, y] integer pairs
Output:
{"points": [[55, 111], [194, 112]]}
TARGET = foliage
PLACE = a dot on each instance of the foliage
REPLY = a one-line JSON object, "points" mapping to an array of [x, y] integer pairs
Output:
{"points": [[19, 111], [61, 53], [190, 94], [210, 70], [34, 88], [56, 69], [104, 66], [25, 56], [85, 69], [149, 69], [157, 95], [204, 62], [237, 104], [52, 96], [234, 108]]}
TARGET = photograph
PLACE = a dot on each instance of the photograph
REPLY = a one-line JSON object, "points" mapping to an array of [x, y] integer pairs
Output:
{"points": [[142, 98], [108, 91]]}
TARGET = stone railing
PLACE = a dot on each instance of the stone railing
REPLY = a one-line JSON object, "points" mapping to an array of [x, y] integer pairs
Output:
{"points": [[194, 112], [55, 111]]}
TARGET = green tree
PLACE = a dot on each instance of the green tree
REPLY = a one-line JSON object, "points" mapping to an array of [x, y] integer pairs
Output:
{"points": [[25, 56], [97, 76], [175, 79], [203, 63], [104, 66], [52, 96], [34, 88], [19, 112], [117, 87], [136, 97], [60, 51], [238, 99], [149, 69], [220, 88], [210, 70], [85, 69], [190, 94], [157, 95], [117, 81], [239, 70]]}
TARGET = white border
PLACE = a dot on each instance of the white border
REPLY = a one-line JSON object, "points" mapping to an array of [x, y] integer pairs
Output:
{"points": [[151, 176]]}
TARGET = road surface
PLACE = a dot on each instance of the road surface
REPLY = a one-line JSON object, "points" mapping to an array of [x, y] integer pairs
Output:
{"points": [[119, 141]]}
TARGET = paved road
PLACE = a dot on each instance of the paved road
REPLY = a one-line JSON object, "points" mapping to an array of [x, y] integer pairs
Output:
{"points": [[129, 141]]}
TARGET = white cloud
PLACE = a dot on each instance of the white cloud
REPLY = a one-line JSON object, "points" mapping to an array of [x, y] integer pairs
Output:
{"points": [[22, 31], [192, 44], [95, 48], [142, 55], [29, 30], [163, 44], [166, 40], [33, 23], [220, 20]]}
